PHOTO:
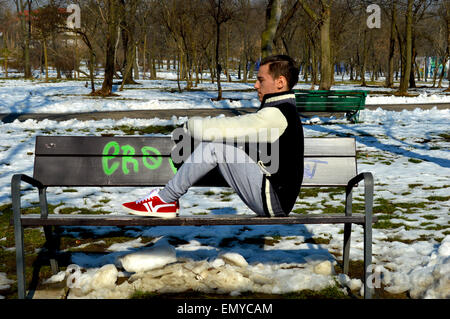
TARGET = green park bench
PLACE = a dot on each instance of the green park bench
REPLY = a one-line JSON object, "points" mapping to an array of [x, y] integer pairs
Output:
{"points": [[145, 161], [333, 101]]}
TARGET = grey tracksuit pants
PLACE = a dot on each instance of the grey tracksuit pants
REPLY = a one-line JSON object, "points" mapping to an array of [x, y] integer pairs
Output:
{"points": [[238, 169]]}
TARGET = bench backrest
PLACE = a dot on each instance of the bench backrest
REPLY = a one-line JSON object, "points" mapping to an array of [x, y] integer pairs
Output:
{"points": [[329, 100], [146, 161]]}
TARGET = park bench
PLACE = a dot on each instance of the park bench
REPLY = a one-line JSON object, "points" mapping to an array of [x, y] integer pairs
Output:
{"points": [[145, 161], [332, 101]]}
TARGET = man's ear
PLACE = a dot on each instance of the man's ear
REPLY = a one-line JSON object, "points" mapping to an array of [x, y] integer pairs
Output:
{"points": [[281, 82]]}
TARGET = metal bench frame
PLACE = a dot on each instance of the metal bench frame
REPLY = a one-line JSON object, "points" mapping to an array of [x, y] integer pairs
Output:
{"points": [[48, 221]]}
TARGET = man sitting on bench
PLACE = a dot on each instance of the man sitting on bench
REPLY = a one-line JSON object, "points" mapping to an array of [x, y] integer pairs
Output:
{"points": [[268, 190]]}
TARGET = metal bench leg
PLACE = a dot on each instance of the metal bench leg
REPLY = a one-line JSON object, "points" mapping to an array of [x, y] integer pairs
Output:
{"points": [[368, 285], [352, 116], [18, 237], [20, 261], [347, 230], [51, 241], [51, 246], [368, 198], [368, 203]]}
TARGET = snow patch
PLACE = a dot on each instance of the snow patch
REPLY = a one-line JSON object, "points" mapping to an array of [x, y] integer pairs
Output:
{"points": [[148, 259]]}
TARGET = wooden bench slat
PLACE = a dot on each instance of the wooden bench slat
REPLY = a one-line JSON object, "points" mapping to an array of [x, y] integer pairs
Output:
{"points": [[331, 171], [130, 220], [328, 161], [93, 171], [329, 146], [95, 145]]}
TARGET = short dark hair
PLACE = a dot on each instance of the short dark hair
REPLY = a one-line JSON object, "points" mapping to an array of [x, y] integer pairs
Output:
{"points": [[282, 65]]}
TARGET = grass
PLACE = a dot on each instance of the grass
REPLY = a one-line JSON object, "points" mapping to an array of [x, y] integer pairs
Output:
{"points": [[429, 217], [384, 206], [315, 191], [445, 136], [437, 227], [435, 187], [438, 198]]}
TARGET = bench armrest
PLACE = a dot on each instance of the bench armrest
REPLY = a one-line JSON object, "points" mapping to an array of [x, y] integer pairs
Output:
{"points": [[367, 177], [15, 195], [17, 178], [368, 201]]}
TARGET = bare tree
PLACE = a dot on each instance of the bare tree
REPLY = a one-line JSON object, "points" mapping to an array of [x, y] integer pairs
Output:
{"points": [[46, 21], [390, 73], [407, 51], [23, 8], [129, 40], [110, 12], [221, 11], [273, 16], [322, 17], [445, 14], [7, 30]]}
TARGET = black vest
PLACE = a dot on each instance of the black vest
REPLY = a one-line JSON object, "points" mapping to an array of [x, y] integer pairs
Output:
{"points": [[287, 180]]}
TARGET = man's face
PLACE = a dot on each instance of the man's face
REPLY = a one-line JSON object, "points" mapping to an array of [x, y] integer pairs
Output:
{"points": [[265, 84]]}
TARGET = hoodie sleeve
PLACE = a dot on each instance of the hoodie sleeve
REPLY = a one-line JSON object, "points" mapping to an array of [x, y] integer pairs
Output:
{"points": [[266, 125]]}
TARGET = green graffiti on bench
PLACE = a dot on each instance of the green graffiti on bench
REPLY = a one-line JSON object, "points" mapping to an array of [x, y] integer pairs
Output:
{"points": [[152, 158]]}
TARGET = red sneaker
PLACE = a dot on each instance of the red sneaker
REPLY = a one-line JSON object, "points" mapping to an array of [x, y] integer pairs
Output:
{"points": [[152, 205]]}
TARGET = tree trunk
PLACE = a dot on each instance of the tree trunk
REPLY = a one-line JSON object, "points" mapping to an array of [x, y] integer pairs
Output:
{"points": [[412, 79], [91, 69], [45, 59], [364, 63], [25, 30], [136, 63], [390, 74], [179, 70], [218, 67], [404, 81], [28, 74], [314, 73], [129, 53], [144, 55], [5, 62], [447, 16], [111, 37], [128, 73], [245, 70], [273, 15], [326, 67]]}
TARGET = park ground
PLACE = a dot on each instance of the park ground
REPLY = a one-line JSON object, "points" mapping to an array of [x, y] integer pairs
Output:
{"points": [[407, 150]]}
